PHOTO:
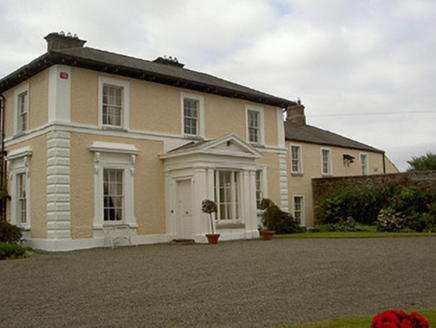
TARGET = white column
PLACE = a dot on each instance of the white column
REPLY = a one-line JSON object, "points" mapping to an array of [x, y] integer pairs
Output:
{"points": [[201, 219]]}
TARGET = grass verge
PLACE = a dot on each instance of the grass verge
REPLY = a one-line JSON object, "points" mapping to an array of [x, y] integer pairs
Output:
{"points": [[357, 234], [363, 321]]}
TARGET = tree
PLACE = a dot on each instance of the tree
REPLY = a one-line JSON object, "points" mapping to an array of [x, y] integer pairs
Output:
{"points": [[423, 163]]}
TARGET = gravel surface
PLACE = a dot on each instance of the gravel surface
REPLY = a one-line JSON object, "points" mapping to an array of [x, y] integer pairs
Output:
{"points": [[232, 284]]}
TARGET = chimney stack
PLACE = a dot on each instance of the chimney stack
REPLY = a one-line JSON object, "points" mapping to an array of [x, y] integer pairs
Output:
{"points": [[59, 41], [295, 114]]}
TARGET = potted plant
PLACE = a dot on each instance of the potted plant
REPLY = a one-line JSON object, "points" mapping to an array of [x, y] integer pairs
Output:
{"points": [[274, 220], [209, 206]]}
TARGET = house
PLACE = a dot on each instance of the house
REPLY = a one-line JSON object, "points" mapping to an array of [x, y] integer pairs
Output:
{"points": [[316, 153], [94, 139]]}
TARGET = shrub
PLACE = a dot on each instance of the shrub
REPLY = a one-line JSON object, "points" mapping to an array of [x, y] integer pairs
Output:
{"points": [[9, 233], [348, 225], [281, 222], [363, 205], [389, 220], [11, 251]]}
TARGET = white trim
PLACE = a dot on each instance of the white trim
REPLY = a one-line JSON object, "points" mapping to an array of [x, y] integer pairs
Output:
{"points": [[300, 159], [330, 168], [114, 156], [364, 171], [200, 118], [59, 94], [168, 139], [260, 110], [125, 85], [280, 128], [17, 93], [18, 163], [111, 147], [303, 212]]}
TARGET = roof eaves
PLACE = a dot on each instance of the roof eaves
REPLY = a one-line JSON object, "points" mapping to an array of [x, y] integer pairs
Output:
{"points": [[69, 58]]}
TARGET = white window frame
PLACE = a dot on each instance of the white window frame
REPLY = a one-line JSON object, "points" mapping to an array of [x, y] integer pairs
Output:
{"points": [[125, 94], [329, 171], [263, 190], [114, 207], [364, 165], [18, 164], [200, 114], [118, 157], [261, 136], [299, 159], [236, 210], [18, 126], [302, 211]]}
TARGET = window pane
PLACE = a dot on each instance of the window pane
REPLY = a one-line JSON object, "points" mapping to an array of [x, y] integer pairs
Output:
{"points": [[190, 116], [113, 194], [253, 121], [112, 105]]}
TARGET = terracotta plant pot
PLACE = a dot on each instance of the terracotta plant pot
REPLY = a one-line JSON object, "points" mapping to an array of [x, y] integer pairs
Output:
{"points": [[267, 235], [213, 238]]}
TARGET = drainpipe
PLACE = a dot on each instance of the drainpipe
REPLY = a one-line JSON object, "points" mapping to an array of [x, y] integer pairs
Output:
{"points": [[3, 173], [384, 163]]}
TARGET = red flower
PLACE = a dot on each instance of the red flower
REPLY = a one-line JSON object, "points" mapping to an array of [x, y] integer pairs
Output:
{"points": [[418, 321], [399, 319]]}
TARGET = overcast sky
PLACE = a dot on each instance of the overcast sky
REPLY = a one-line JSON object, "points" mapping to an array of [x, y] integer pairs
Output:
{"points": [[363, 69]]}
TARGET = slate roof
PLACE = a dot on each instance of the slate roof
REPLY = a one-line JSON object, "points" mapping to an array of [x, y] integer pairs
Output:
{"points": [[112, 63], [311, 134]]}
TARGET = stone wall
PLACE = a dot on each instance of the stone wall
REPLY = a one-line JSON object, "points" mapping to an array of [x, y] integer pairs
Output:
{"points": [[324, 186]]}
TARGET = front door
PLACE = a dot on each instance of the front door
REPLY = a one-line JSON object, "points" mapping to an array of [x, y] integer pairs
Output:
{"points": [[184, 210]]}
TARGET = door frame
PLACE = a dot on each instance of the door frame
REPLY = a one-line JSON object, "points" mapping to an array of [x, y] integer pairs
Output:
{"points": [[177, 217]]}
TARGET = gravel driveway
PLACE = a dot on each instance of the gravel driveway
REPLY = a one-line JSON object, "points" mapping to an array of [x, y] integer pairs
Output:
{"points": [[232, 284]]}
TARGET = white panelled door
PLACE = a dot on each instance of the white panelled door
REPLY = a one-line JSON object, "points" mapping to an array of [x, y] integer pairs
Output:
{"points": [[184, 210]]}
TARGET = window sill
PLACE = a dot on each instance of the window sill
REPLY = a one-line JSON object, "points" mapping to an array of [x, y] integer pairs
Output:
{"points": [[114, 128], [257, 145], [192, 137], [297, 174], [230, 226]]}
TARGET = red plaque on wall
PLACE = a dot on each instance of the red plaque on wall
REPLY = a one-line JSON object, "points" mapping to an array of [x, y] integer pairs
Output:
{"points": [[63, 75]]}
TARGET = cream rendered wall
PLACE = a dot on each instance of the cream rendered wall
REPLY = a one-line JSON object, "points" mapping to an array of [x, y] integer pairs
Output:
{"points": [[157, 108], [301, 185], [38, 103], [148, 185], [38, 184]]}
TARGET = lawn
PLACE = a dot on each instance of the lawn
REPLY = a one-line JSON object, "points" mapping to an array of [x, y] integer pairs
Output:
{"points": [[357, 234], [362, 321], [369, 232]]}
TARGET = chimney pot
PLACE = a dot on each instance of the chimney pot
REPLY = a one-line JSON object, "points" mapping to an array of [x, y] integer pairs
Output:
{"points": [[59, 41]]}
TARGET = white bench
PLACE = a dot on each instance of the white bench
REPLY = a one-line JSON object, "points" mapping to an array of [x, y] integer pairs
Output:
{"points": [[116, 232]]}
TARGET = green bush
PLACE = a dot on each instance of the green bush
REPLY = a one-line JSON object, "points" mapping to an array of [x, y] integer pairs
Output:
{"points": [[11, 251], [9, 233], [363, 205], [281, 222], [348, 225]]}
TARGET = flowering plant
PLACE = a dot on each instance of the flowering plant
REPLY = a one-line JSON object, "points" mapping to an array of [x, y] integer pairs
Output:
{"points": [[209, 206], [399, 319]]}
